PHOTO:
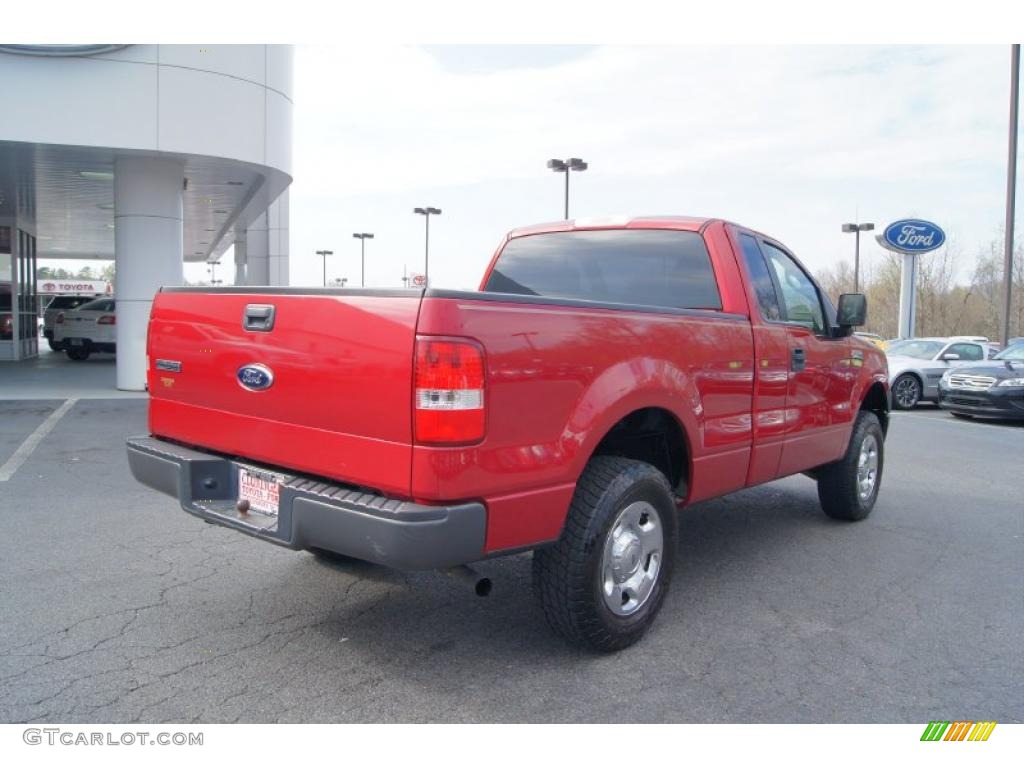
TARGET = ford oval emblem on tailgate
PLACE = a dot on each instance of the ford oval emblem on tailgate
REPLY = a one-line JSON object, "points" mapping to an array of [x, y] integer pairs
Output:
{"points": [[255, 377]]}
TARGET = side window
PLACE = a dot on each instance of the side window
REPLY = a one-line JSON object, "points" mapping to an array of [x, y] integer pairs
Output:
{"points": [[799, 296], [767, 299], [967, 351]]}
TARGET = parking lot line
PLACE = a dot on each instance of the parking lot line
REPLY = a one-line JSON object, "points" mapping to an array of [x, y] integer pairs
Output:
{"points": [[32, 441]]}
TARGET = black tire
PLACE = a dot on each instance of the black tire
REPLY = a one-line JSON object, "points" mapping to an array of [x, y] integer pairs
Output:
{"points": [[838, 484], [54, 345], [961, 415], [906, 392], [567, 577], [81, 353]]}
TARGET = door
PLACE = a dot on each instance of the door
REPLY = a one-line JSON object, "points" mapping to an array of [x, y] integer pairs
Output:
{"points": [[820, 377], [771, 365]]}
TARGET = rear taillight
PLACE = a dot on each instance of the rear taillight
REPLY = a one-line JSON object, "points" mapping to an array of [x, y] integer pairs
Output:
{"points": [[107, 320], [60, 319], [448, 391]]}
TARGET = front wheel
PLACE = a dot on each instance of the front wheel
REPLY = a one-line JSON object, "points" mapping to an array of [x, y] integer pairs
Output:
{"points": [[848, 488], [906, 391], [604, 581]]}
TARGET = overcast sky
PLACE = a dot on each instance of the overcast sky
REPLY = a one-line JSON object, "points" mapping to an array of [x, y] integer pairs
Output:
{"points": [[793, 141]]}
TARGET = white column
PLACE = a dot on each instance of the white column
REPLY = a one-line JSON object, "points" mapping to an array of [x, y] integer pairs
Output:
{"points": [[257, 250], [147, 252], [240, 260], [277, 230], [908, 296]]}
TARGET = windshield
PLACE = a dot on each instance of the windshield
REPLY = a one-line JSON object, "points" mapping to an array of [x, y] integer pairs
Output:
{"points": [[922, 350], [1016, 352]]}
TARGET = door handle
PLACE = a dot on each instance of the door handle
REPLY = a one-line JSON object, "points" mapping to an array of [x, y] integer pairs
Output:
{"points": [[258, 317], [798, 360]]}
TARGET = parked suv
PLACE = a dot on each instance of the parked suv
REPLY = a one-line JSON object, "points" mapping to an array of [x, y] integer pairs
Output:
{"points": [[58, 304], [90, 328]]}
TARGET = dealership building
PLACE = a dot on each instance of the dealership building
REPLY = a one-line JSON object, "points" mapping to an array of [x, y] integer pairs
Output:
{"points": [[146, 155]]}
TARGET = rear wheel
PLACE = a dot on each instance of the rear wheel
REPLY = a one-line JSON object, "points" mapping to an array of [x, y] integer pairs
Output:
{"points": [[961, 415], [604, 581], [80, 353], [54, 345], [848, 488], [906, 391]]}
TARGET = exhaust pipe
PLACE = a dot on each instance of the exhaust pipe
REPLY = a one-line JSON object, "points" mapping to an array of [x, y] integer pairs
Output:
{"points": [[481, 584]]}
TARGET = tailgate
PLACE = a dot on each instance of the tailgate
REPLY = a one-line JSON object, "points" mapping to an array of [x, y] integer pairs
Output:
{"points": [[327, 390]]}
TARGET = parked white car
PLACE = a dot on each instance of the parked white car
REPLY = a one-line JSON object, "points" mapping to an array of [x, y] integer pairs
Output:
{"points": [[58, 304], [92, 327], [917, 365]]}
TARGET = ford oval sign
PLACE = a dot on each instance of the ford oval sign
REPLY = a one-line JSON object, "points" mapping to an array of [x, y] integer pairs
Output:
{"points": [[255, 377], [913, 236]]}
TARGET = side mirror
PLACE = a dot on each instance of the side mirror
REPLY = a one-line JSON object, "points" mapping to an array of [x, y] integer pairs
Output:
{"points": [[950, 356], [852, 310]]}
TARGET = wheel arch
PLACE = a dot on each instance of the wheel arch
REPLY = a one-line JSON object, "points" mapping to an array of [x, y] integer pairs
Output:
{"points": [[653, 434], [877, 400]]}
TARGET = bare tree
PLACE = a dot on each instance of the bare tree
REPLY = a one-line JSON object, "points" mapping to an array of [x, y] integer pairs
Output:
{"points": [[945, 307]]}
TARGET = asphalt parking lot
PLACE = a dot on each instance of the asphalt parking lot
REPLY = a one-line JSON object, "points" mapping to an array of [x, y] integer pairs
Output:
{"points": [[116, 606]]}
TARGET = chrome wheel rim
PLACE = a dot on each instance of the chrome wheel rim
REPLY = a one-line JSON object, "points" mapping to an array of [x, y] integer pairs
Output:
{"points": [[906, 392], [631, 561], [867, 467]]}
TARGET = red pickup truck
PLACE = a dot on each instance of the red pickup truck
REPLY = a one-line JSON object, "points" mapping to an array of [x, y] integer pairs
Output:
{"points": [[605, 373]]}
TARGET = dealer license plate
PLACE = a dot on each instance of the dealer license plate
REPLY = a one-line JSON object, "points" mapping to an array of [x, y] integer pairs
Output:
{"points": [[76, 342], [260, 489]]}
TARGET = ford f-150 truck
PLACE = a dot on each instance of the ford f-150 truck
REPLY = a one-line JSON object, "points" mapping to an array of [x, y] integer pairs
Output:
{"points": [[604, 374]]}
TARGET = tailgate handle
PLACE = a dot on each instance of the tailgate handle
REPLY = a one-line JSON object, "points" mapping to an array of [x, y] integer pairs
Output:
{"points": [[258, 317]]}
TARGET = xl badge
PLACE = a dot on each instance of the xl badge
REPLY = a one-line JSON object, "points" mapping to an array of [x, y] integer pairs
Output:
{"points": [[255, 377]]}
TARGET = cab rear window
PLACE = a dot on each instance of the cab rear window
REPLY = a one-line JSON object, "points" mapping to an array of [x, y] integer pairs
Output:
{"points": [[68, 302], [99, 305], [658, 268]]}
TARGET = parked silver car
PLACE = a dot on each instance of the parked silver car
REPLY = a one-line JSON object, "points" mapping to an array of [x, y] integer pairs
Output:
{"points": [[917, 365]]}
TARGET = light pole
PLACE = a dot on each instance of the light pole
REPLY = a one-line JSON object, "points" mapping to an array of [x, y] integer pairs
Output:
{"points": [[426, 213], [362, 237], [213, 273], [325, 254], [1011, 185], [564, 166], [857, 229]]}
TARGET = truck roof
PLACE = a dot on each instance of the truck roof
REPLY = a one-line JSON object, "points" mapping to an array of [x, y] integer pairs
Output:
{"points": [[686, 223]]}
